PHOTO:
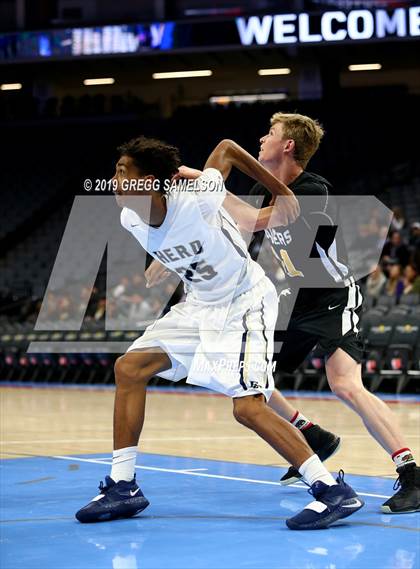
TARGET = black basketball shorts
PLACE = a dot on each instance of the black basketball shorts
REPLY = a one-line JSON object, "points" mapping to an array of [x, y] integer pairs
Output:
{"points": [[332, 322]]}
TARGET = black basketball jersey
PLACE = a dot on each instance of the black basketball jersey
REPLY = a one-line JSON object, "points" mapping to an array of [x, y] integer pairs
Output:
{"points": [[310, 250]]}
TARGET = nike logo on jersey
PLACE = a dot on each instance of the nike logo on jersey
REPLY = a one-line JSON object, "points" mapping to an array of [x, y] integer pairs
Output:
{"points": [[134, 492], [332, 307]]}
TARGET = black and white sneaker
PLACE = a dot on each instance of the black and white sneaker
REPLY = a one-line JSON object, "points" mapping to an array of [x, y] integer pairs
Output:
{"points": [[322, 442], [407, 499], [116, 500]]}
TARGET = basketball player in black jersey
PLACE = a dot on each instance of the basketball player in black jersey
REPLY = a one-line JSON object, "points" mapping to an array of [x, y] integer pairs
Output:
{"points": [[328, 315]]}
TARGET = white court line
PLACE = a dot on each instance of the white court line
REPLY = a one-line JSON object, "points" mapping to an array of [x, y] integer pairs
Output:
{"points": [[145, 439], [154, 439], [237, 479], [368, 436]]}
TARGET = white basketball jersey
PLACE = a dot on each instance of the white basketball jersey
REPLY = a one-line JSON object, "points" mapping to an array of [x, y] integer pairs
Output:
{"points": [[199, 241]]}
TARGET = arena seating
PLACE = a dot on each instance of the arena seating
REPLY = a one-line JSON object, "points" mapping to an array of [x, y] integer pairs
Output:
{"points": [[39, 188]]}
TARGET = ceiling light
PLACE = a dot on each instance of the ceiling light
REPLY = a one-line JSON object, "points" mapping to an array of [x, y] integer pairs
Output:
{"points": [[275, 71], [99, 81], [10, 86], [182, 74], [365, 67], [247, 98]]}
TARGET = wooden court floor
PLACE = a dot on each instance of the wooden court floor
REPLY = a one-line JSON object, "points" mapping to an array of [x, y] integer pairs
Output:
{"points": [[44, 421]]}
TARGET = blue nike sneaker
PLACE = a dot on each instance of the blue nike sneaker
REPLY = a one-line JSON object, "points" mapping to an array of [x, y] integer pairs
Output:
{"points": [[116, 500], [332, 503]]}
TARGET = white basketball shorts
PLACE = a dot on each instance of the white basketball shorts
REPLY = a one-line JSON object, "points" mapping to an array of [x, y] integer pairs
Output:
{"points": [[227, 348]]}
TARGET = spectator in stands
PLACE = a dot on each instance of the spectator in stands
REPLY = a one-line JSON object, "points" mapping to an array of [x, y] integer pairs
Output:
{"points": [[367, 236], [414, 239], [52, 306], [414, 242], [156, 306], [411, 280], [140, 308], [105, 306], [398, 220], [382, 237], [88, 301], [396, 249], [138, 282], [121, 290], [100, 309], [121, 294], [375, 282], [395, 284], [64, 307]]}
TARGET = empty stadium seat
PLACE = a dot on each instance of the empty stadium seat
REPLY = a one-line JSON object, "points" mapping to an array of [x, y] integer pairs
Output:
{"points": [[377, 340], [312, 368], [386, 301], [371, 318], [410, 299], [397, 315], [414, 371], [398, 357]]}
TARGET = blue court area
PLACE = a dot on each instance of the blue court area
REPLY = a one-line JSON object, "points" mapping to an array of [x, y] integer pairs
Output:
{"points": [[203, 514]]}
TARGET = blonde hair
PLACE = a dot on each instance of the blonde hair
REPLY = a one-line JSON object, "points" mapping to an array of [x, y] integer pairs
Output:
{"points": [[306, 132]]}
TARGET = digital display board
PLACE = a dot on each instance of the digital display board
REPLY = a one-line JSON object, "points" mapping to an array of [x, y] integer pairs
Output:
{"points": [[331, 26]]}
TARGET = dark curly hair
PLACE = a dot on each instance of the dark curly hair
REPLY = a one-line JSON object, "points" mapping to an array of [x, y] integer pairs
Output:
{"points": [[152, 156]]}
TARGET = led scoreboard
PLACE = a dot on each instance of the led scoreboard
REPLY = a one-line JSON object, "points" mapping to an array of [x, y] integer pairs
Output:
{"points": [[331, 26]]}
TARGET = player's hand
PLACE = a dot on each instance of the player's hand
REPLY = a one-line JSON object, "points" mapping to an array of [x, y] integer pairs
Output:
{"points": [[286, 209], [187, 172], [156, 274]]}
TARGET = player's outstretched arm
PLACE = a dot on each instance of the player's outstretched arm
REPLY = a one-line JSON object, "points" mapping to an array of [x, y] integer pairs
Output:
{"points": [[227, 154], [253, 219], [284, 208]]}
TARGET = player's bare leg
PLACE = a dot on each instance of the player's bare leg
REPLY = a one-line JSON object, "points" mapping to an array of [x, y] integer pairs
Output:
{"points": [[281, 406], [345, 379], [120, 496], [253, 412], [133, 371]]}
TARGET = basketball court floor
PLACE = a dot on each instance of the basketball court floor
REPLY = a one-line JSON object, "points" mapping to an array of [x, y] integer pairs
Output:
{"points": [[213, 487]]}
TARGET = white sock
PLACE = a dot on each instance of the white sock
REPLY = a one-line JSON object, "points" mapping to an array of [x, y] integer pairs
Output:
{"points": [[123, 464], [402, 457], [300, 421], [313, 469]]}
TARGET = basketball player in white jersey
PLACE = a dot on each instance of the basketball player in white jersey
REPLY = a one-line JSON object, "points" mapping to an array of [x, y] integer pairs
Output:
{"points": [[221, 337]]}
